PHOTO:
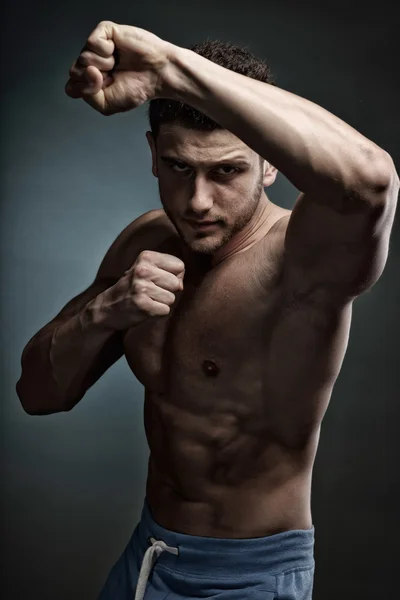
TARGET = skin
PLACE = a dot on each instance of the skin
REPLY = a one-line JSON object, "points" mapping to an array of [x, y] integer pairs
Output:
{"points": [[221, 467], [208, 176], [238, 375]]}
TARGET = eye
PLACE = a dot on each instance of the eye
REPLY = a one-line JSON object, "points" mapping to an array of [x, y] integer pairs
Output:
{"points": [[179, 167], [227, 170]]}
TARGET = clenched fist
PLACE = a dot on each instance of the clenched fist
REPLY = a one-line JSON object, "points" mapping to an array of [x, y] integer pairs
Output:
{"points": [[146, 290], [119, 68]]}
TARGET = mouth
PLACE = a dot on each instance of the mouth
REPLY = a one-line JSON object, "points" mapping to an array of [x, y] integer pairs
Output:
{"points": [[202, 224]]}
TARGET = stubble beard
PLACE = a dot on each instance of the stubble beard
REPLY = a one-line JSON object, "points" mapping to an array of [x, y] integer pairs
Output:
{"points": [[206, 246]]}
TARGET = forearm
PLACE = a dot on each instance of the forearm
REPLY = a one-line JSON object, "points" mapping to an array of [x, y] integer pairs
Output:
{"points": [[59, 365], [76, 350], [315, 150]]}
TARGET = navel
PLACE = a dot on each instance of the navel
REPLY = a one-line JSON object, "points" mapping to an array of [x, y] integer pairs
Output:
{"points": [[210, 368]]}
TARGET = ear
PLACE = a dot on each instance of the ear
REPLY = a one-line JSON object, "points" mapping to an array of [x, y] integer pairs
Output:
{"points": [[270, 173], [152, 144]]}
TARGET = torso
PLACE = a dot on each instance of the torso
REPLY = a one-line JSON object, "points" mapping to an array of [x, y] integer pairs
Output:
{"points": [[237, 379]]}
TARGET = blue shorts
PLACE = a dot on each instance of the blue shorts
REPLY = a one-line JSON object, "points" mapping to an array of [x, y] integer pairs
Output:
{"points": [[159, 564]]}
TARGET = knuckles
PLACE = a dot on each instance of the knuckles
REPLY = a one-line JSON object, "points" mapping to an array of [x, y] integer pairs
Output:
{"points": [[142, 270], [141, 300], [139, 288], [83, 59], [102, 25], [146, 255], [105, 24]]}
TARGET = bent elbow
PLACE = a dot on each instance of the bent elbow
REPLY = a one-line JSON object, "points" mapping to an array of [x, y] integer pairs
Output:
{"points": [[35, 404]]}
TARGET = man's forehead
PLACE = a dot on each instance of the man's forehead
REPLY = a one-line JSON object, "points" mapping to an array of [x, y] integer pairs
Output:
{"points": [[219, 144]]}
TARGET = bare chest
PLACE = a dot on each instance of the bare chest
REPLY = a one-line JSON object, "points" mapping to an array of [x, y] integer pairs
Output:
{"points": [[234, 354], [213, 335]]}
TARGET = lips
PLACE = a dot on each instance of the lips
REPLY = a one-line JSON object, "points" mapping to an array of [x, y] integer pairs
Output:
{"points": [[202, 223]]}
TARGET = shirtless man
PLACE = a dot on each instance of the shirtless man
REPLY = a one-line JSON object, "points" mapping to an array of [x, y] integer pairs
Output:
{"points": [[236, 328]]}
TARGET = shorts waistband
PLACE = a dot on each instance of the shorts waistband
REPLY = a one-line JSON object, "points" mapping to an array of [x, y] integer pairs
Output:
{"points": [[275, 553]]}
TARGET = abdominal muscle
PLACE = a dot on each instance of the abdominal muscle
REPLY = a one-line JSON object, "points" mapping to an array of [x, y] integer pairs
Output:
{"points": [[210, 477], [232, 447]]}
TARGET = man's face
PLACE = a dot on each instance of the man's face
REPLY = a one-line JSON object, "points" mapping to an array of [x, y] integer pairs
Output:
{"points": [[206, 176]]}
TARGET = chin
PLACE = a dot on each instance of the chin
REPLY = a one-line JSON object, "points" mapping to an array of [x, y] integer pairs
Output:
{"points": [[206, 247]]}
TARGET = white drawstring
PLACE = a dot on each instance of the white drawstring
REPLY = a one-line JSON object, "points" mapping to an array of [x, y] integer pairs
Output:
{"points": [[157, 547]]}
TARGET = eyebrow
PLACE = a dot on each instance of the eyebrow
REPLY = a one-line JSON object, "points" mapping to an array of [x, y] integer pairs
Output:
{"points": [[237, 160]]}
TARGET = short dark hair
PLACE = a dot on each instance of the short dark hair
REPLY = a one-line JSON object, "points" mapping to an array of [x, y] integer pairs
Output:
{"points": [[225, 54]]}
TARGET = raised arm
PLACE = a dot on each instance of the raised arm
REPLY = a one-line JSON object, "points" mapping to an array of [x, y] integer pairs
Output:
{"points": [[339, 232], [337, 239]]}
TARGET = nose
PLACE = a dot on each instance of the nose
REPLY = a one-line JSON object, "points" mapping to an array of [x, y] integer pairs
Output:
{"points": [[201, 197]]}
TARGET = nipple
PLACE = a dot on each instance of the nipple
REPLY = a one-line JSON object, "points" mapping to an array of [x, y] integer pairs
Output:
{"points": [[210, 368]]}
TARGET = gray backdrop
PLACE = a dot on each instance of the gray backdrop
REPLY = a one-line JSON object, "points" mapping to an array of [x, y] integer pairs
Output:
{"points": [[73, 483]]}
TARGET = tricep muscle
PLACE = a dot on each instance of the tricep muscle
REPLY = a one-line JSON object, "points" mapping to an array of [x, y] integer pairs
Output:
{"points": [[329, 248]]}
